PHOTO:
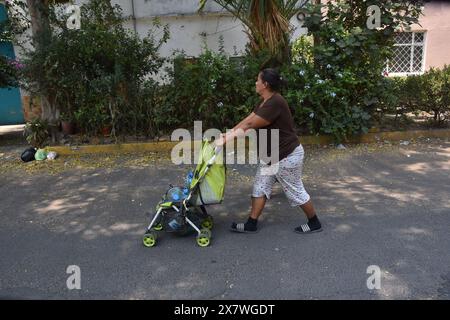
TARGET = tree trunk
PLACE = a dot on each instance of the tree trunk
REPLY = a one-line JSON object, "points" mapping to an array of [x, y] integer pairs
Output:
{"points": [[40, 27], [315, 37]]}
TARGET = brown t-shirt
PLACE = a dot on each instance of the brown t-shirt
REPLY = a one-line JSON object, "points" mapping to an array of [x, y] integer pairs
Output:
{"points": [[277, 112]]}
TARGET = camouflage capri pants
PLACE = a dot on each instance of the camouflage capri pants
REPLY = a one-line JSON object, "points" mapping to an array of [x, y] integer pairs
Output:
{"points": [[288, 172]]}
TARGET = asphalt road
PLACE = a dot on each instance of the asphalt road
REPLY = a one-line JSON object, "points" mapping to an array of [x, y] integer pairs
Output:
{"points": [[386, 205]]}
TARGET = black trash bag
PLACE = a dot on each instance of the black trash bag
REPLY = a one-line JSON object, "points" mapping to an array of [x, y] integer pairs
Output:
{"points": [[28, 155]]}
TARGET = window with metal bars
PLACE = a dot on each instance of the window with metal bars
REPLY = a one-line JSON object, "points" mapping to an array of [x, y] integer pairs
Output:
{"points": [[408, 55]]}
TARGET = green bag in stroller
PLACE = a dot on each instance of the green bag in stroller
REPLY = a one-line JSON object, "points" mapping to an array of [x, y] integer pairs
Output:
{"points": [[182, 209]]}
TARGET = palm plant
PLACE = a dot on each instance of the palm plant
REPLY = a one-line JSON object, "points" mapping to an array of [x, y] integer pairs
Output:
{"points": [[267, 23]]}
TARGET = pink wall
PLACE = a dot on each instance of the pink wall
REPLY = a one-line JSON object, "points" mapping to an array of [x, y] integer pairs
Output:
{"points": [[436, 23]]}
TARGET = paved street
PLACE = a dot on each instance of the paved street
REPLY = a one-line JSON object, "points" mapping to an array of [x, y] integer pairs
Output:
{"points": [[381, 204]]}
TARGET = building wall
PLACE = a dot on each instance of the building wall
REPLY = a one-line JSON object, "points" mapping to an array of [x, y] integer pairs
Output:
{"points": [[436, 23], [189, 30], [192, 33]]}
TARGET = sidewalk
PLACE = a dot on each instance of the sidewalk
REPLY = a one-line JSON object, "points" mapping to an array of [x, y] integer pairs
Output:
{"points": [[13, 135], [380, 204]]}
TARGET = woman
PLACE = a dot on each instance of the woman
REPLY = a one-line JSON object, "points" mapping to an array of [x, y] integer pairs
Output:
{"points": [[274, 113]]}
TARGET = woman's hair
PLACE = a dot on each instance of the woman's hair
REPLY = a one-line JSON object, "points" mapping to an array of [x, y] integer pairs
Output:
{"points": [[273, 78]]}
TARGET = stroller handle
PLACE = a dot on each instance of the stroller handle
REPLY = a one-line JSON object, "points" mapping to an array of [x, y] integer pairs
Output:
{"points": [[217, 149]]}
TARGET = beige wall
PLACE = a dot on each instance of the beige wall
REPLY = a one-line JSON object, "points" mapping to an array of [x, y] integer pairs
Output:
{"points": [[436, 23]]}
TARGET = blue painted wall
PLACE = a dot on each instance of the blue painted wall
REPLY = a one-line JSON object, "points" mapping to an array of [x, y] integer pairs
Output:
{"points": [[10, 101]]}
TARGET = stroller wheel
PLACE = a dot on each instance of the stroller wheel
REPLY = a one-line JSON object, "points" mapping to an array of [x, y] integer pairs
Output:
{"points": [[158, 227], [204, 238], [208, 223], [149, 239], [205, 231]]}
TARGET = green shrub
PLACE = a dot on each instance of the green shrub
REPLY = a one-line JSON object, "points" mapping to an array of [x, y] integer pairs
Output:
{"points": [[37, 132], [96, 75], [214, 88], [429, 92], [331, 95], [337, 84], [393, 99], [435, 94]]}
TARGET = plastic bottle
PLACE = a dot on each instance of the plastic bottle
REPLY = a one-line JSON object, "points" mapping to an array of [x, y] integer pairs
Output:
{"points": [[188, 179], [176, 194]]}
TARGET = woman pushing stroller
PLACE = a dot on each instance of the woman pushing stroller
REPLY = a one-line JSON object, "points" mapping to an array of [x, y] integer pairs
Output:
{"points": [[273, 113]]}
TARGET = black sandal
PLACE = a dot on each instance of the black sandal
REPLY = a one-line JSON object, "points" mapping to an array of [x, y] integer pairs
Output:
{"points": [[240, 227], [304, 229]]}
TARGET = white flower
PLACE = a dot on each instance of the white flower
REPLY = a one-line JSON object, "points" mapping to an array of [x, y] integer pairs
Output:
{"points": [[307, 87], [302, 72], [311, 115], [328, 66], [333, 94], [317, 76], [332, 40], [320, 81], [220, 104], [339, 75]]}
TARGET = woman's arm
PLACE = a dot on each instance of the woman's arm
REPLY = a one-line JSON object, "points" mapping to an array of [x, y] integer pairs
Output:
{"points": [[253, 121], [220, 141], [246, 119]]}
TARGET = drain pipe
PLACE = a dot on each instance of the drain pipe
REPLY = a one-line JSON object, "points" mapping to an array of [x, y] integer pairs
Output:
{"points": [[133, 16]]}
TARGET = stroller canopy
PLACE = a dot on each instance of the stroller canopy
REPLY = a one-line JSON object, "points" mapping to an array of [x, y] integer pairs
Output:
{"points": [[209, 178]]}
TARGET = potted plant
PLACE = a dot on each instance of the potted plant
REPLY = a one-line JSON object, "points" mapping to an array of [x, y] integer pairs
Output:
{"points": [[67, 123], [106, 130], [104, 121]]}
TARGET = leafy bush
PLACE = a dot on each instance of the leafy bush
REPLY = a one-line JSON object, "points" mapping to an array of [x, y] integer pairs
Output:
{"points": [[434, 96], [95, 75], [429, 92], [214, 88], [393, 100], [333, 98], [336, 84], [37, 132]]}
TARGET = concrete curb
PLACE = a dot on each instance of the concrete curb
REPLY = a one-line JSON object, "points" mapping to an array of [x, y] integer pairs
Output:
{"points": [[167, 146], [374, 137]]}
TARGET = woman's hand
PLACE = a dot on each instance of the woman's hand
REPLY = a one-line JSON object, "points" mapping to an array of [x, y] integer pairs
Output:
{"points": [[220, 141]]}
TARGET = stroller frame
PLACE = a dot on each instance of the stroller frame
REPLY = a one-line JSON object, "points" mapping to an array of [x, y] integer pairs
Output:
{"points": [[184, 208]]}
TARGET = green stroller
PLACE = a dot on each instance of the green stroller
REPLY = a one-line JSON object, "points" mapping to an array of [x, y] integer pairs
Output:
{"points": [[182, 209]]}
